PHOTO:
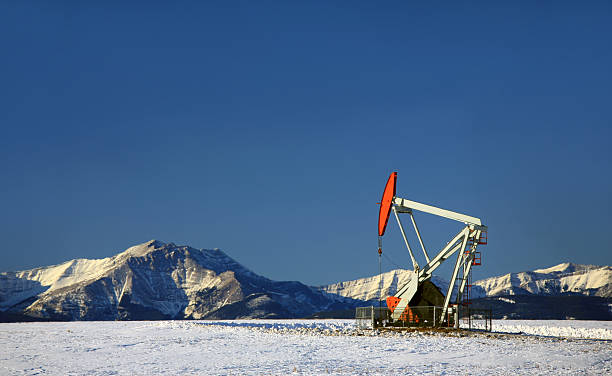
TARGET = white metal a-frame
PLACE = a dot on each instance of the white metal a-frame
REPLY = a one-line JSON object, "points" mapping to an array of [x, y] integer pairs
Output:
{"points": [[465, 242]]}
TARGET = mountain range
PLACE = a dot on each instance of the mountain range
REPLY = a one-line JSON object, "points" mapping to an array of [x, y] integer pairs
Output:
{"points": [[562, 279], [157, 280], [564, 291]]}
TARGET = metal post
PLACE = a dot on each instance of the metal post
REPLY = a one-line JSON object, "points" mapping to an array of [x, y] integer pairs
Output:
{"points": [[434, 315], [457, 317], [456, 270], [372, 316], [414, 263], [380, 280], [416, 229]]}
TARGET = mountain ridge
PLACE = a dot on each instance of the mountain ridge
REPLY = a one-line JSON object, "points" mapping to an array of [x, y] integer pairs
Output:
{"points": [[157, 280], [564, 278]]}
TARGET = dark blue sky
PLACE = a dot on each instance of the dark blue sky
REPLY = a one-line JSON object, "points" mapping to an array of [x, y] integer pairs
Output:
{"points": [[268, 129]]}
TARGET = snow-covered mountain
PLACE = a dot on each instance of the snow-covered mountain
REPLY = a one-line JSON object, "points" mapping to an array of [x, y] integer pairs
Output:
{"points": [[562, 279], [567, 278], [369, 288], [155, 280]]}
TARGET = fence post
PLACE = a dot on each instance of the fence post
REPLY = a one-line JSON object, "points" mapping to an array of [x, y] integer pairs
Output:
{"points": [[434, 316], [373, 319], [456, 317]]}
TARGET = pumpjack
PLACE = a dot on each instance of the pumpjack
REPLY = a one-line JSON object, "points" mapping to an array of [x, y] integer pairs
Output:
{"points": [[464, 243]]}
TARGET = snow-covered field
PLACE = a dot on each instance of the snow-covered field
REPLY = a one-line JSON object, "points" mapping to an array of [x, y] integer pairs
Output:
{"points": [[557, 328], [299, 347]]}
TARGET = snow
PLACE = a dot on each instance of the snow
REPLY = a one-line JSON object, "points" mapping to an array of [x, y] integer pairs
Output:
{"points": [[176, 281], [557, 328], [298, 347], [559, 279], [18, 286], [371, 288], [566, 268]]}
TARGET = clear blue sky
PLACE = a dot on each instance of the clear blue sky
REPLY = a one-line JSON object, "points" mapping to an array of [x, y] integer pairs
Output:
{"points": [[268, 129]]}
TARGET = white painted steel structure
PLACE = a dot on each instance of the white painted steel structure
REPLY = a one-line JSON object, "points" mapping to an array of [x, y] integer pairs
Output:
{"points": [[465, 242]]}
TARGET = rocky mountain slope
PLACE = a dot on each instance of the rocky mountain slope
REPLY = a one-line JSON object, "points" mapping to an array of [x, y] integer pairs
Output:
{"points": [[369, 289], [155, 280], [562, 279], [564, 291]]}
